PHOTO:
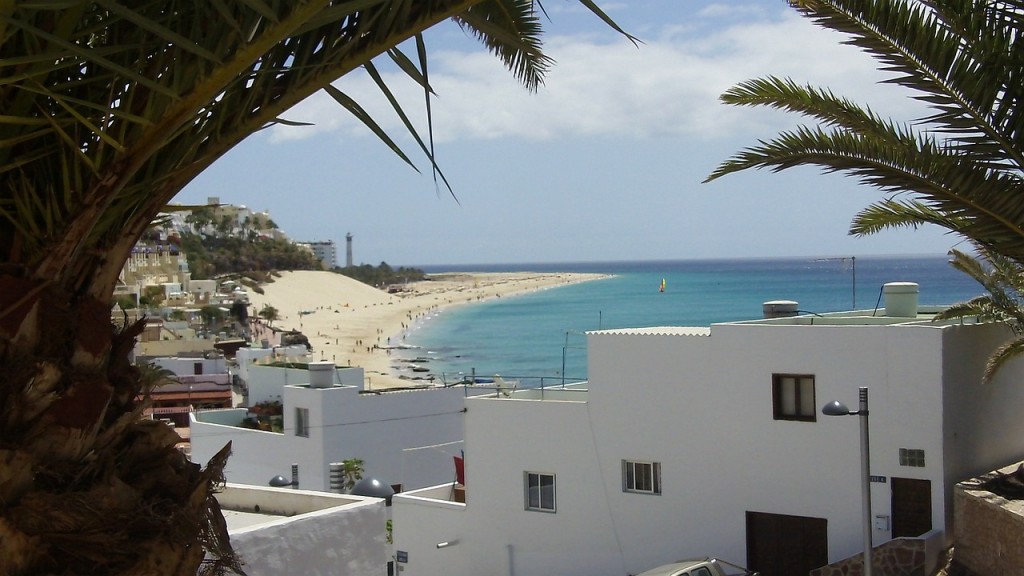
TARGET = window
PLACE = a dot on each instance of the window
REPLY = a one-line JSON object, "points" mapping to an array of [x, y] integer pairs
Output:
{"points": [[793, 397], [912, 457], [302, 422], [540, 491], [702, 571], [643, 477]]}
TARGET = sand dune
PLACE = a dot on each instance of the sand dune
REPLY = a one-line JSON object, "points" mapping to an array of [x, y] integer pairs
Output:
{"points": [[351, 323]]}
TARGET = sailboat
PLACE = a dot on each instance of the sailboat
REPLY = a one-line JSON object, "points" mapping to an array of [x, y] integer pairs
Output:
{"points": [[662, 289]]}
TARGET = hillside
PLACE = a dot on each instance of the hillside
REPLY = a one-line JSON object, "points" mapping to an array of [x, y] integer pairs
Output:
{"points": [[211, 256]]}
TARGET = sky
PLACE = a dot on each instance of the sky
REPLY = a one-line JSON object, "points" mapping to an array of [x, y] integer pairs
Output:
{"points": [[603, 163]]}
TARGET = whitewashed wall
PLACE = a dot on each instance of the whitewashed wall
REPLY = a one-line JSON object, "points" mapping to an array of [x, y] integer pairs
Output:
{"points": [[246, 357], [498, 534], [982, 424], [256, 456], [266, 383], [421, 522], [349, 539], [345, 424], [186, 366], [377, 428], [701, 405]]}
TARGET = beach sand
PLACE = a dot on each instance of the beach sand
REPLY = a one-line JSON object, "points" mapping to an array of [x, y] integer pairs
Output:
{"points": [[353, 324]]}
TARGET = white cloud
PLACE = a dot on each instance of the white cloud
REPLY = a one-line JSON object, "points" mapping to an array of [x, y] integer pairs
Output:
{"points": [[604, 85], [732, 10]]}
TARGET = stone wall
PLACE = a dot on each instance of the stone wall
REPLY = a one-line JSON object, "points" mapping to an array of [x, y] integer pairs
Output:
{"points": [[899, 557], [988, 529]]}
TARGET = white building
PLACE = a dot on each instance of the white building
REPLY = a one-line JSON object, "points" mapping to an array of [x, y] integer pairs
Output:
{"points": [[297, 532], [406, 437], [710, 441], [193, 366], [325, 251], [246, 357]]}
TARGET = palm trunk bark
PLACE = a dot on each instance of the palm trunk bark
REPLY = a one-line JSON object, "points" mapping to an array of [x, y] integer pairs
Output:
{"points": [[107, 119], [87, 484]]}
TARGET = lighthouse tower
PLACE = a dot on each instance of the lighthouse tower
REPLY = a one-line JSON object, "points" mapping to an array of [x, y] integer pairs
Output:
{"points": [[348, 250]]}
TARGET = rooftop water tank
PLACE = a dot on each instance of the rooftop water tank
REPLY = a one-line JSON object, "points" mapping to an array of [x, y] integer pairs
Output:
{"points": [[321, 374], [901, 299], [780, 308]]}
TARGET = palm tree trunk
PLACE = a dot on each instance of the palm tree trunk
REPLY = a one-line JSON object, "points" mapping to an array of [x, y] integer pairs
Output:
{"points": [[86, 483]]}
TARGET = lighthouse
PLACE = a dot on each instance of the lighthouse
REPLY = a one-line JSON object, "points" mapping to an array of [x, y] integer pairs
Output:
{"points": [[348, 250]]}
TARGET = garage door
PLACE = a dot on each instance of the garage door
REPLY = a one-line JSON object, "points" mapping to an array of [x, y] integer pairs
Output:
{"points": [[783, 545]]}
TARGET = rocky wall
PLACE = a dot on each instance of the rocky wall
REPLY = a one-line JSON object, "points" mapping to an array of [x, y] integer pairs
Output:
{"points": [[899, 557], [988, 529]]}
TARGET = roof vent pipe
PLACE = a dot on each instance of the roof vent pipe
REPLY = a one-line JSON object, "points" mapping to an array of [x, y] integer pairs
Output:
{"points": [[780, 309], [901, 299]]}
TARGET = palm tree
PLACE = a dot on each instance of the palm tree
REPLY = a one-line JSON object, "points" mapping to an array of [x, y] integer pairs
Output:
{"points": [[153, 376], [268, 313], [109, 110], [352, 472], [959, 168], [1003, 279]]}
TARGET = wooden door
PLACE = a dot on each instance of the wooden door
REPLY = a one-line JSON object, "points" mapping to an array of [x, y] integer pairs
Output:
{"points": [[783, 545], [911, 507]]}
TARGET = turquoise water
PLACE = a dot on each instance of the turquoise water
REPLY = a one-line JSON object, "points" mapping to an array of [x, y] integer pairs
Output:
{"points": [[533, 336]]}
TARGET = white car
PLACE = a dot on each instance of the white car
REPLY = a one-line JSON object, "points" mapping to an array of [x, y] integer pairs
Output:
{"points": [[694, 567]]}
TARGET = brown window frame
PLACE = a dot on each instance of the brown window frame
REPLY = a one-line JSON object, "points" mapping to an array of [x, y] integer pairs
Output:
{"points": [[777, 411]]}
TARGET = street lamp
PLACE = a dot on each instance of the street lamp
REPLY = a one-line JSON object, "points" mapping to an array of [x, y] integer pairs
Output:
{"points": [[837, 408], [280, 481]]}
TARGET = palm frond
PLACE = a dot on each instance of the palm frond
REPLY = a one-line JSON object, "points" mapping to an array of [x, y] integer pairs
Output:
{"points": [[962, 165], [1002, 279], [951, 54], [511, 30], [975, 201], [427, 151], [817, 103], [891, 213], [999, 358]]}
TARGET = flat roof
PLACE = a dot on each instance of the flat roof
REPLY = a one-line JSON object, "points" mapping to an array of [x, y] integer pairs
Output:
{"points": [[871, 317], [236, 519], [874, 317], [660, 331]]}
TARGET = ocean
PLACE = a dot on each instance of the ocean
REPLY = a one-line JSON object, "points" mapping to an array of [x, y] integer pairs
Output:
{"points": [[538, 338]]}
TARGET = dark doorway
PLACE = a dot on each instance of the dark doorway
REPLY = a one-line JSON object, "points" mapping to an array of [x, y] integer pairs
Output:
{"points": [[911, 507], [783, 545]]}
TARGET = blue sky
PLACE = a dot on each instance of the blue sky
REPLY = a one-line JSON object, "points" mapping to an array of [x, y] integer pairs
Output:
{"points": [[604, 162]]}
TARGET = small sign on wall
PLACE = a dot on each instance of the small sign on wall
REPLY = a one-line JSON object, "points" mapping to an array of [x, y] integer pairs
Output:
{"points": [[402, 556], [878, 479], [882, 522]]}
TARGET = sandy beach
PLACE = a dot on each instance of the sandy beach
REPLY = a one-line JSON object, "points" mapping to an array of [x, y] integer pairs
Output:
{"points": [[353, 324]]}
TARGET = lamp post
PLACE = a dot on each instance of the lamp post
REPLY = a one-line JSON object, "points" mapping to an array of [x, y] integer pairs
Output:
{"points": [[837, 408], [280, 481]]}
